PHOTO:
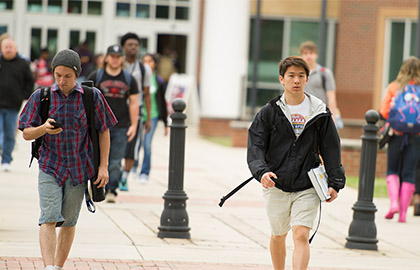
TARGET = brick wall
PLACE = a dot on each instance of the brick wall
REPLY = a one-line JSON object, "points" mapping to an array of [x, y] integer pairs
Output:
{"points": [[350, 158], [214, 127], [356, 52]]}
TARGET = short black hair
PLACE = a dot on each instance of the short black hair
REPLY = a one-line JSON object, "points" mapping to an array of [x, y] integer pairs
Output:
{"points": [[292, 61], [129, 35]]}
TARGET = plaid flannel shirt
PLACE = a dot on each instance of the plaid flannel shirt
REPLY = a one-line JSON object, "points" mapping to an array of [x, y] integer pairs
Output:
{"points": [[71, 151]]}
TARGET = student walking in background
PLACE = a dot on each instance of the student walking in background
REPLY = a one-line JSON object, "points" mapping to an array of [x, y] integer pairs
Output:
{"points": [[321, 81], [42, 70], [121, 93], [403, 147], [130, 43], [158, 112], [16, 85], [66, 155]]}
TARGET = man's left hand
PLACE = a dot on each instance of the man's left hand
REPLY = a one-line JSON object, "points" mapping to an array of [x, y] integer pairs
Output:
{"points": [[131, 132], [333, 194], [147, 126], [103, 177]]}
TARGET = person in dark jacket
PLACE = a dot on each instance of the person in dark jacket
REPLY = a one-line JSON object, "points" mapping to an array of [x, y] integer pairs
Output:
{"points": [[16, 85], [284, 142]]}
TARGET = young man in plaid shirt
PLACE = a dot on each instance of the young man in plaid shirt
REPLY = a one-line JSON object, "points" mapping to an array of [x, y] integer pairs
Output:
{"points": [[66, 155]]}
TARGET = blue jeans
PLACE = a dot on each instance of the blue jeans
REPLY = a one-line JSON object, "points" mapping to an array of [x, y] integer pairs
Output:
{"points": [[8, 119], [145, 168], [403, 161], [116, 154]]}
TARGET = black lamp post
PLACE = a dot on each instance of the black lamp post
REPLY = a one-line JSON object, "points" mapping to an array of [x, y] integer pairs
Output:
{"points": [[362, 231], [174, 218]]}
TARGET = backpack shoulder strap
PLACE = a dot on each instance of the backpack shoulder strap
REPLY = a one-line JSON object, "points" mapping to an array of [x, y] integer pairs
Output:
{"points": [[143, 73], [127, 77], [272, 114], [88, 103], [323, 79], [45, 94], [99, 75], [44, 106]]}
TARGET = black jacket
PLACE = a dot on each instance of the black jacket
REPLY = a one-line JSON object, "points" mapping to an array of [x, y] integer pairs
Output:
{"points": [[16, 82], [272, 146]]}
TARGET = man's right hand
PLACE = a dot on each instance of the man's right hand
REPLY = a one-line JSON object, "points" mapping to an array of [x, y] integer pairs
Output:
{"points": [[50, 129], [266, 181]]}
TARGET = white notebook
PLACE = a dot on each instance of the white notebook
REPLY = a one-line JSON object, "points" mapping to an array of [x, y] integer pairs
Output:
{"points": [[319, 178]]}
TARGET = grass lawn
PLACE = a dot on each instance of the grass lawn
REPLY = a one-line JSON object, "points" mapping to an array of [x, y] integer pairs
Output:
{"points": [[380, 189], [225, 141]]}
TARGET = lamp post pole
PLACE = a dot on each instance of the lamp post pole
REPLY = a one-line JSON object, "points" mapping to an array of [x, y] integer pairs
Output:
{"points": [[362, 231], [174, 218]]}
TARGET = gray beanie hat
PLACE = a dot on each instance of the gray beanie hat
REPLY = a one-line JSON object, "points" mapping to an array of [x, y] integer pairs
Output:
{"points": [[68, 58]]}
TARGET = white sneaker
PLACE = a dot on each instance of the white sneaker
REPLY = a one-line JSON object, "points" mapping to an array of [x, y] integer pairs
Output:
{"points": [[110, 197], [144, 178], [6, 167]]}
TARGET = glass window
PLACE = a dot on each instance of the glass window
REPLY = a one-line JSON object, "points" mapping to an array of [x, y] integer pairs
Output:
{"points": [[91, 39], [162, 12], [34, 5], [123, 10], [301, 32], [142, 11], [271, 43], [52, 35], [55, 6], [143, 46], [74, 39], [35, 43], [94, 7], [397, 50], [3, 29], [6, 4], [413, 39], [74, 7], [182, 13]]}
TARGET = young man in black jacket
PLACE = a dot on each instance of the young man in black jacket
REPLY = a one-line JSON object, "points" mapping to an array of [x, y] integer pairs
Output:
{"points": [[284, 143]]}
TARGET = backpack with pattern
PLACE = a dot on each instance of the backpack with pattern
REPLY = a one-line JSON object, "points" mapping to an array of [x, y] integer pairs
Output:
{"points": [[404, 115]]}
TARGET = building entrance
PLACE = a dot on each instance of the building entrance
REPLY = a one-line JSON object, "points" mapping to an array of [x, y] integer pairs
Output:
{"points": [[175, 48]]}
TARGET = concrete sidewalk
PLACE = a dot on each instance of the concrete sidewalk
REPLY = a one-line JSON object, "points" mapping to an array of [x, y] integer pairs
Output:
{"points": [[124, 235]]}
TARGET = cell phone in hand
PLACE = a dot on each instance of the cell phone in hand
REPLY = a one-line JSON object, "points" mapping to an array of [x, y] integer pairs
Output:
{"points": [[56, 124]]}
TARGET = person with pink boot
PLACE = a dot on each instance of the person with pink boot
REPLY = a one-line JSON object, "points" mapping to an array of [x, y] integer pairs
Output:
{"points": [[403, 147]]}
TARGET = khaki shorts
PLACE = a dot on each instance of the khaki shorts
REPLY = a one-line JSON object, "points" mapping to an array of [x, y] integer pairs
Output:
{"points": [[288, 209]]}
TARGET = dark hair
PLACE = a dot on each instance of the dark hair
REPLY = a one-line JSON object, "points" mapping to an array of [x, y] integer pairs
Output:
{"points": [[127, 36], [44, 50], [155, 57], [292, 61]]}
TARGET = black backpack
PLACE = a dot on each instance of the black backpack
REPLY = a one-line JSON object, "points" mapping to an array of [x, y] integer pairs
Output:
{"points": [[98, 194]]}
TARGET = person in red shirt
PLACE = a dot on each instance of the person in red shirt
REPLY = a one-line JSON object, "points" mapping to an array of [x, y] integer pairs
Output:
{"points": [[42, 70]]}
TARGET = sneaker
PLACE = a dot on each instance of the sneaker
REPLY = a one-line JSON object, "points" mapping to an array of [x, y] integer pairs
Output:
{"points": [[144, 178], [6, 167], [110, 197], [123, 186]]}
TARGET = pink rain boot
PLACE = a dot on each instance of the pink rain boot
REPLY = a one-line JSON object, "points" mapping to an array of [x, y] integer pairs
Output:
{"points": [[393, 183], [407, 191]]}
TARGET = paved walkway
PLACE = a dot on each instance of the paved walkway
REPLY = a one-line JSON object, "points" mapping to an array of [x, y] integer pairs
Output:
{"points": [[124, 235]]}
